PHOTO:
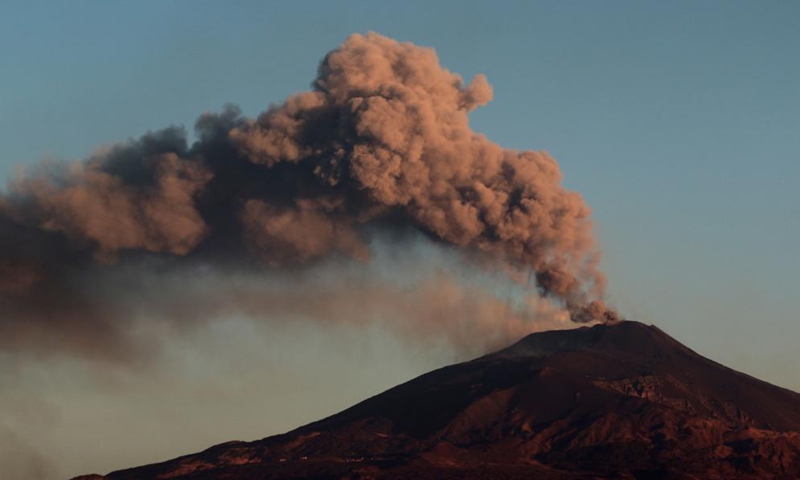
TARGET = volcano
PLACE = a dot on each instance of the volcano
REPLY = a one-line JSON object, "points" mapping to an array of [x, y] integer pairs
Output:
{"points": [[616, 400]]}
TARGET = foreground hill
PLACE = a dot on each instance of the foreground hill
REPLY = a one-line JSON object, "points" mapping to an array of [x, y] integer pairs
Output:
{"points": [[620, 400]]}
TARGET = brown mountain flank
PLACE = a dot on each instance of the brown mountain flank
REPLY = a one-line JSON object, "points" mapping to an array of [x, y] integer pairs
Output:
{"points": [[619, 400]]}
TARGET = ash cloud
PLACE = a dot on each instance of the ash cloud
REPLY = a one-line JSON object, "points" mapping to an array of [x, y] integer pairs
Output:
{"points": [[382, 142], [20, 460]]}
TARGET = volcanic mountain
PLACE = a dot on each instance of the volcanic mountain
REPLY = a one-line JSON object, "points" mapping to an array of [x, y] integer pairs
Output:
{"points": [[617, 400]]}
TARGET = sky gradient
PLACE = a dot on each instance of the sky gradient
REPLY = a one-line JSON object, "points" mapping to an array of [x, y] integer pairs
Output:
{"points": [[677, 121]]}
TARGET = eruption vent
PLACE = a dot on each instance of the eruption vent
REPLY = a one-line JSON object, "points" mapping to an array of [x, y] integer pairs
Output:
{"points": [[382, 141]]}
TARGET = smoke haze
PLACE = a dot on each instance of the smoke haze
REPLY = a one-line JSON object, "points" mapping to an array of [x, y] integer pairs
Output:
{"points": [[245, 219]]}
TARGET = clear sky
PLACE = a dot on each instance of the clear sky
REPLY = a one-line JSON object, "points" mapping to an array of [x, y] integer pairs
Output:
{"points": [[678, 121]]}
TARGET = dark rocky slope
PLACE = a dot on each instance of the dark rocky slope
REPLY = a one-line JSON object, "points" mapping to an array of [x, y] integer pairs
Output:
{"points": [[620, 400]]}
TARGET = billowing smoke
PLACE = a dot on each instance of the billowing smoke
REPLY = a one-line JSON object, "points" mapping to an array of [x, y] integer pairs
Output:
{"points": [[381, 143]]}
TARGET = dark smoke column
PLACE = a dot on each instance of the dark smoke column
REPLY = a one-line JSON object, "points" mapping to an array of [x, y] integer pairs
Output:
{"points": [[382, 140], [388, 129]]}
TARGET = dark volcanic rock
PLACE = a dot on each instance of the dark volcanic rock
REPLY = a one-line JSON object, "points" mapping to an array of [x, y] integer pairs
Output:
{"points": [[620, 400]]}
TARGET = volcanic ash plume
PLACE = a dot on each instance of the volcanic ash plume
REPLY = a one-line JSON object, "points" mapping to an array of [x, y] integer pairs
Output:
{"points": [[381, 142]]}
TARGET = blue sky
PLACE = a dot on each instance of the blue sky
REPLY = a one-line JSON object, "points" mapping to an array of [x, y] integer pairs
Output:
{"points": [[678, 121]]}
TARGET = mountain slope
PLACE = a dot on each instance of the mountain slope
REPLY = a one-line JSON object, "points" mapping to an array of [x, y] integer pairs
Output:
{"points": [[620, 400]]}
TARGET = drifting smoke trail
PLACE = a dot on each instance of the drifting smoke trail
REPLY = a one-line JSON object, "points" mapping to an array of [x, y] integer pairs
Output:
{"points": [[21, 461], [382, 142]]}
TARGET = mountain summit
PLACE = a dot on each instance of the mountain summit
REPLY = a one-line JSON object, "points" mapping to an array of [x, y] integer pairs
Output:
{"points": [[617, 400]]}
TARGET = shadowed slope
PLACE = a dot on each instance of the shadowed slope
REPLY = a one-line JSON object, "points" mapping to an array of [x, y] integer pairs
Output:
{"points": [[620, 400]]}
